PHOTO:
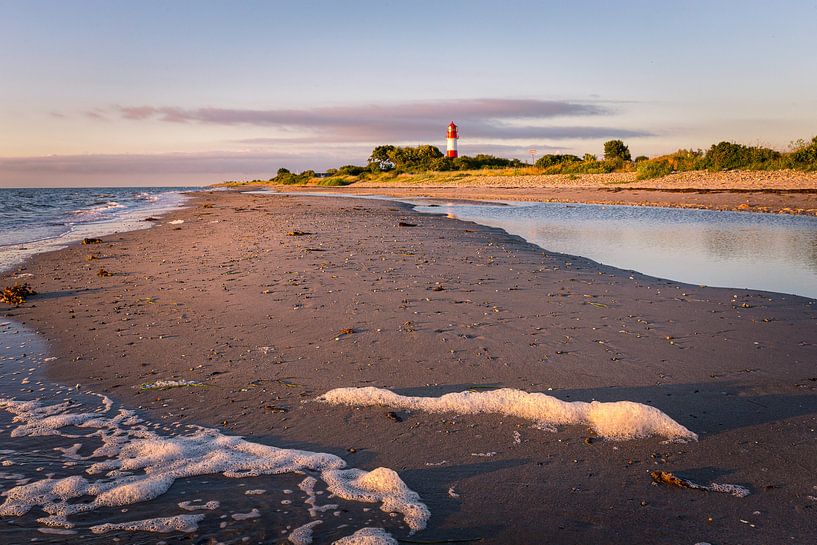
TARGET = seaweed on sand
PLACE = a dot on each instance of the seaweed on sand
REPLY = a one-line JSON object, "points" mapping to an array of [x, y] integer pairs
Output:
{"points": [[16, 294]]}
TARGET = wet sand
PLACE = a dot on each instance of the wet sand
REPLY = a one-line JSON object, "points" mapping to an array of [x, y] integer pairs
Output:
{"points": [[229, 299]]}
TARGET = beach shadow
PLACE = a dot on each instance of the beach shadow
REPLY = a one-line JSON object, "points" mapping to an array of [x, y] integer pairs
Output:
{"points": [[434, 483], [62, 293], [705, 408], [704, 475], [442, 389]]}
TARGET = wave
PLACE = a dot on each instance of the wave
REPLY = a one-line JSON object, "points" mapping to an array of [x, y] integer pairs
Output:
{"points": [[47, 220], [104, 207], [150, 197]]}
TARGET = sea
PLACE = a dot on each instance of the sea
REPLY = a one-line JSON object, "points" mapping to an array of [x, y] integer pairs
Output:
{"points": [[44, 219]]}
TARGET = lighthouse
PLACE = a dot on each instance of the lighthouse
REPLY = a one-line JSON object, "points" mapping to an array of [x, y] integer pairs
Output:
{"points": [[451, 150]]}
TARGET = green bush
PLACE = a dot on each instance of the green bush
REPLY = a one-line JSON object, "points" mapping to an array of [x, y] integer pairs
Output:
{"points": [[615, 149], [351, 170], [546, 161], [731, 156], [686, 159], [654, 168], [804, 156], [405, 159], [285, 177], [587, 167], [333, 182], [482, 160]]}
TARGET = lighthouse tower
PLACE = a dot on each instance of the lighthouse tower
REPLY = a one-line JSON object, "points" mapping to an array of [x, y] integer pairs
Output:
{"points": [[451, 150]]}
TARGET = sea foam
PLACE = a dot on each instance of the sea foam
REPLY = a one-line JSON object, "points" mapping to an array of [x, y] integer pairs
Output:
{"points": [[135, 464], [368, 536], [619, 420]]}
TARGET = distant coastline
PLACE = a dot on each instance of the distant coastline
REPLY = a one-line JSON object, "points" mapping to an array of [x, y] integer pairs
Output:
{"points": [[727, 176]]}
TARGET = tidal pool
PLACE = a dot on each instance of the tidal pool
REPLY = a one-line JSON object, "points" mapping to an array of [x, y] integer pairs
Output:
{"points": [[769, 252]]}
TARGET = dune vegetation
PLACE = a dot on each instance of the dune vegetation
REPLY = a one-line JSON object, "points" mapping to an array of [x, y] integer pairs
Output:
{"points": [[427, 164]]}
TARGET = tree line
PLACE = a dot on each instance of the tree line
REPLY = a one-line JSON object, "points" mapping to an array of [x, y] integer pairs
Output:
{"points": [[617, 158], [719, 157]]}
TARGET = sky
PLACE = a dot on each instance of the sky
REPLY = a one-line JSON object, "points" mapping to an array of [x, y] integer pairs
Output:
{"points": [[117, 93]]}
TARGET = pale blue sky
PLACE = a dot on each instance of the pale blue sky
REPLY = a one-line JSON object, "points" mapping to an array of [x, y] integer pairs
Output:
{"points": [[106, 92]]}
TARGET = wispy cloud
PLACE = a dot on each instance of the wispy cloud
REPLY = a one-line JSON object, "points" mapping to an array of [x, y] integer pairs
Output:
{"points": [[408, 121], [96, 113]]}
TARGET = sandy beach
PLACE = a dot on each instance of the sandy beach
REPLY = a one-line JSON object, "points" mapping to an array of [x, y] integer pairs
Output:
{"points": [[270, 301]]}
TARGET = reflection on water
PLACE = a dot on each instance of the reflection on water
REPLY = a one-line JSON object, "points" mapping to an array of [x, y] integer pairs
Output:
{"points": [[770, 252]]}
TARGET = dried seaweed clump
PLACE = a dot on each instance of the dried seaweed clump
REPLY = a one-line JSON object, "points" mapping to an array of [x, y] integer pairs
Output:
{"points": [[16, 294], [87, 241], [103, 272], [664, 477]]}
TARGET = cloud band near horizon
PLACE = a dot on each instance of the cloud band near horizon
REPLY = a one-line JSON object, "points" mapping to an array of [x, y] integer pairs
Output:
{"points": [[400, 122]]}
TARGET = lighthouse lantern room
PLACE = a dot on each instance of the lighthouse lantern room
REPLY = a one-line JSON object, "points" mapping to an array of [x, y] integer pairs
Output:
{"points": [[451, 150]]}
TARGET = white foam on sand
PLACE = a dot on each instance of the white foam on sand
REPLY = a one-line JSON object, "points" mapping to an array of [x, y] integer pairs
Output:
{"points": [[734, 489], [618, 420], [308, 487], [302, 535], [379, 485], [179, 523], [166, 384], [135, 464], [190, 506], [367, 536]]}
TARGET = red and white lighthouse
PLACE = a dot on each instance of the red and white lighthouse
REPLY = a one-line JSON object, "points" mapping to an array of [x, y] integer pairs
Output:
{"points": [[453, 136]]}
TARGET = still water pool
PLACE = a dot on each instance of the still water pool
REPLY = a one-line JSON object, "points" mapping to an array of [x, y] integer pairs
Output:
{"points": [[770, 252]]}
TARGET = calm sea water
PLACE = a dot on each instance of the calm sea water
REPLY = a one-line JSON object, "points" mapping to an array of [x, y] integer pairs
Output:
{"points": [[770, 252], [36, 220]]}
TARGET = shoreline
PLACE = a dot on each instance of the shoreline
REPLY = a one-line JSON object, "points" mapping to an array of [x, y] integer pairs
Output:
{"points": [[775, 201], [218, 289], [783, 191], [129, 219]]}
